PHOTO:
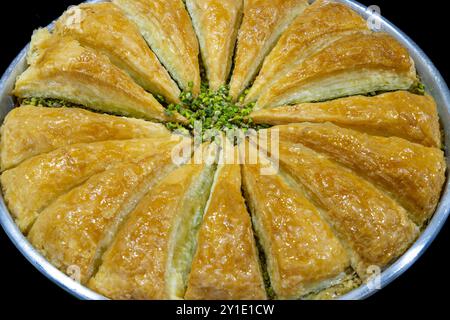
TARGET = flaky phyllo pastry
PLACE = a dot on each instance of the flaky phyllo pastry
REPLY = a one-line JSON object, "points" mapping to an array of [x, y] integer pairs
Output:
{"points": [[216, 23], [63, 69], [226, 243], [337, 168], [29, 131], [105, 28], [401, 114], [319, 26], [328, 52], [167, 28], [263, 23]]}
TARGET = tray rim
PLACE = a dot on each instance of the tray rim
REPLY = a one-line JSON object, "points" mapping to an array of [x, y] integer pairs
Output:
{"points": [[436, 86]]}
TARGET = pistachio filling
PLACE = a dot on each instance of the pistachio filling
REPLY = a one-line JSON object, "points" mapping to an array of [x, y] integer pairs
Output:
{"points": [[49, 102]]}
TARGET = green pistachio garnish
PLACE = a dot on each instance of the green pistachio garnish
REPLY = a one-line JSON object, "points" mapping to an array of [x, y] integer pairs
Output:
{"points": [[419, 89], [214, 110]]}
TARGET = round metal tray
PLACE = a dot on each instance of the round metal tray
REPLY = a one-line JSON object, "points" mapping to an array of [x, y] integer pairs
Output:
{"points": [[430, 76]]}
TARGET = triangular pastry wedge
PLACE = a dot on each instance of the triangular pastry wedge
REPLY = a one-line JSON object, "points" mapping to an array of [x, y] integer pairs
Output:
{"points": [[151, 255], [167, 28], [358, 63], [374, 228], [105, 28], [400, 114], [28, 131], [303, 255], [317, 27], [226, 265], [61, 68], [411, 173], [216, 23], [263, 23], [75, 230], [34, 184]]}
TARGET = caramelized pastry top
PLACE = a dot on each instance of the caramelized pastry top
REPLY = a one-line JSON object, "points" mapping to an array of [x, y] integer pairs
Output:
{"points": [[319, 25], [29, 131], [302, 251], [83, 76], [400, 114], [263, 23], [354, 61], [167, 28], [349, 166], [225, 266], [216, 23]]}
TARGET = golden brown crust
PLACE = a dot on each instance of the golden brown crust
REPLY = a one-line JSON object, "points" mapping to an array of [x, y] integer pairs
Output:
{"points": [[29, 131], [375, 229], [100, 195], [355, 64], [216, 23], [412, 173], [34, 184], [303, 255], [263, 23], [402, 114], [167, 27], [105, 28], [61, 68], [225, 266], [74, 231], [138, 263], [318, 26]]}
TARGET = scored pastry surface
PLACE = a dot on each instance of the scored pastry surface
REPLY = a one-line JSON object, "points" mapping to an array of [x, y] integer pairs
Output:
{"points": [[412, 173], [358, 63], [29, 131], [141, 262], [216, 23], [373, 225], [321, 24], [263, 23], [225, 265], [400, 114], [75, 229], [303, 255], [35, 183]]}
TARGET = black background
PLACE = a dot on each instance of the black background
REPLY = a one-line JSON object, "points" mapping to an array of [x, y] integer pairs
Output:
{"points": [[426, 22]]}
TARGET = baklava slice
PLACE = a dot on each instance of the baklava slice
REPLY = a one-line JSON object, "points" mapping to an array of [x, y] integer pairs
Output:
{"points": [[36, 183], [60, 68], [263, 23], [167, 28], [29, 131], [374, 228], [411, 173], [303, 255], [225, 265], [400, 114], [216, 23], [151, 255], [317, 27], [105, 28], [74, 231], [358, 63]]}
